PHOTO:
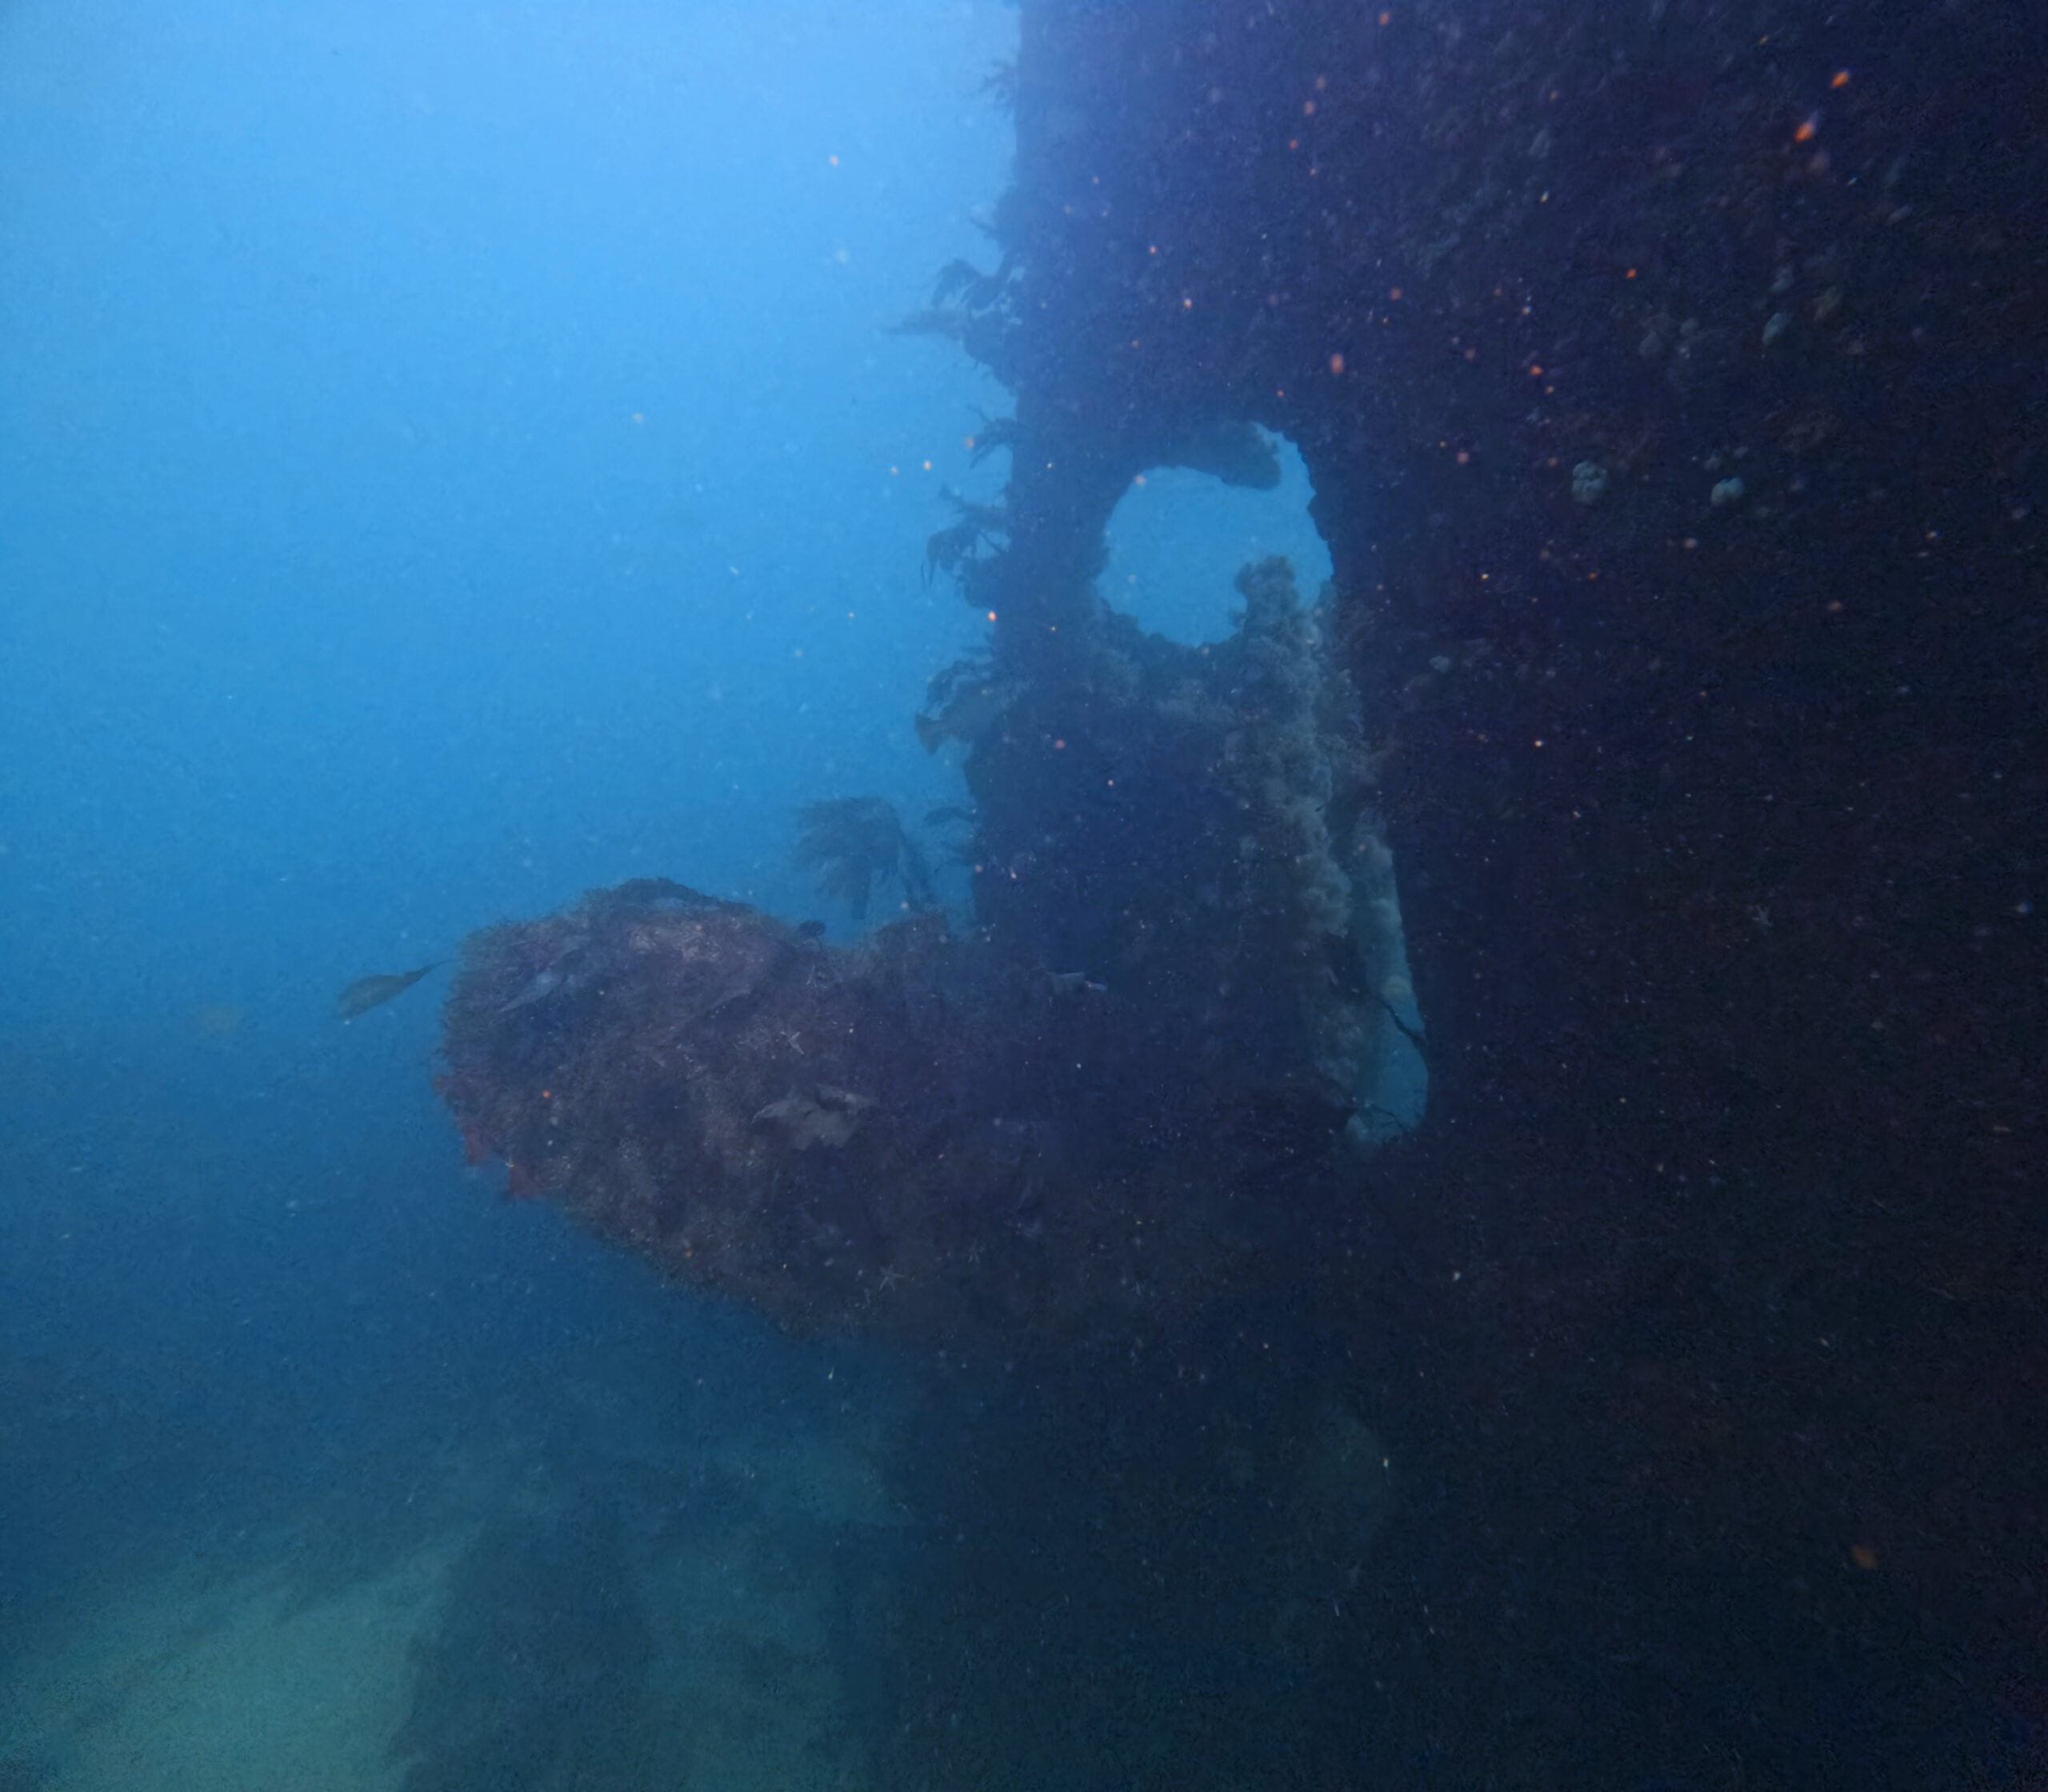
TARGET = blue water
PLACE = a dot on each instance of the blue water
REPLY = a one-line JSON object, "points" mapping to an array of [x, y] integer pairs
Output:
{"points": [[450, 458]]}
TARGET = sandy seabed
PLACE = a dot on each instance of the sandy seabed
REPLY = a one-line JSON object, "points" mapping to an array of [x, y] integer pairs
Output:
{"points": [[234, 1687], [246, 1681]]}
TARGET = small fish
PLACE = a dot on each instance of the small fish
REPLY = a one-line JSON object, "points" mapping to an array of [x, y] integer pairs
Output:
{"points": [[218, 1019], [1075, 983], [934, 322], [972, 711], [831, 1118], [367, 993], [544, 984], [568, 972]]}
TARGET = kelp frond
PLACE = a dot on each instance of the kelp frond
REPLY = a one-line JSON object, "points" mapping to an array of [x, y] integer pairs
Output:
{"points": [[955, 550], [855, 844]]}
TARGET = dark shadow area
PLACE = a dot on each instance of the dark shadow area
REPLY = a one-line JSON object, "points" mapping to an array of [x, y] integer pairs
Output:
{"points": [[1158, 1557], [1670, 381], [534, 1677]]}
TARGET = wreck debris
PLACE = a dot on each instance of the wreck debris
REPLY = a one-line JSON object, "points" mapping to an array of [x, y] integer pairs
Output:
{"points": [[799, 1125], [1083, 1114]]}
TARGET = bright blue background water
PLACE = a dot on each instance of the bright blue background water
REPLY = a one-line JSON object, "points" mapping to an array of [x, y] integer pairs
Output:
{"points": [[449, 464]]}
